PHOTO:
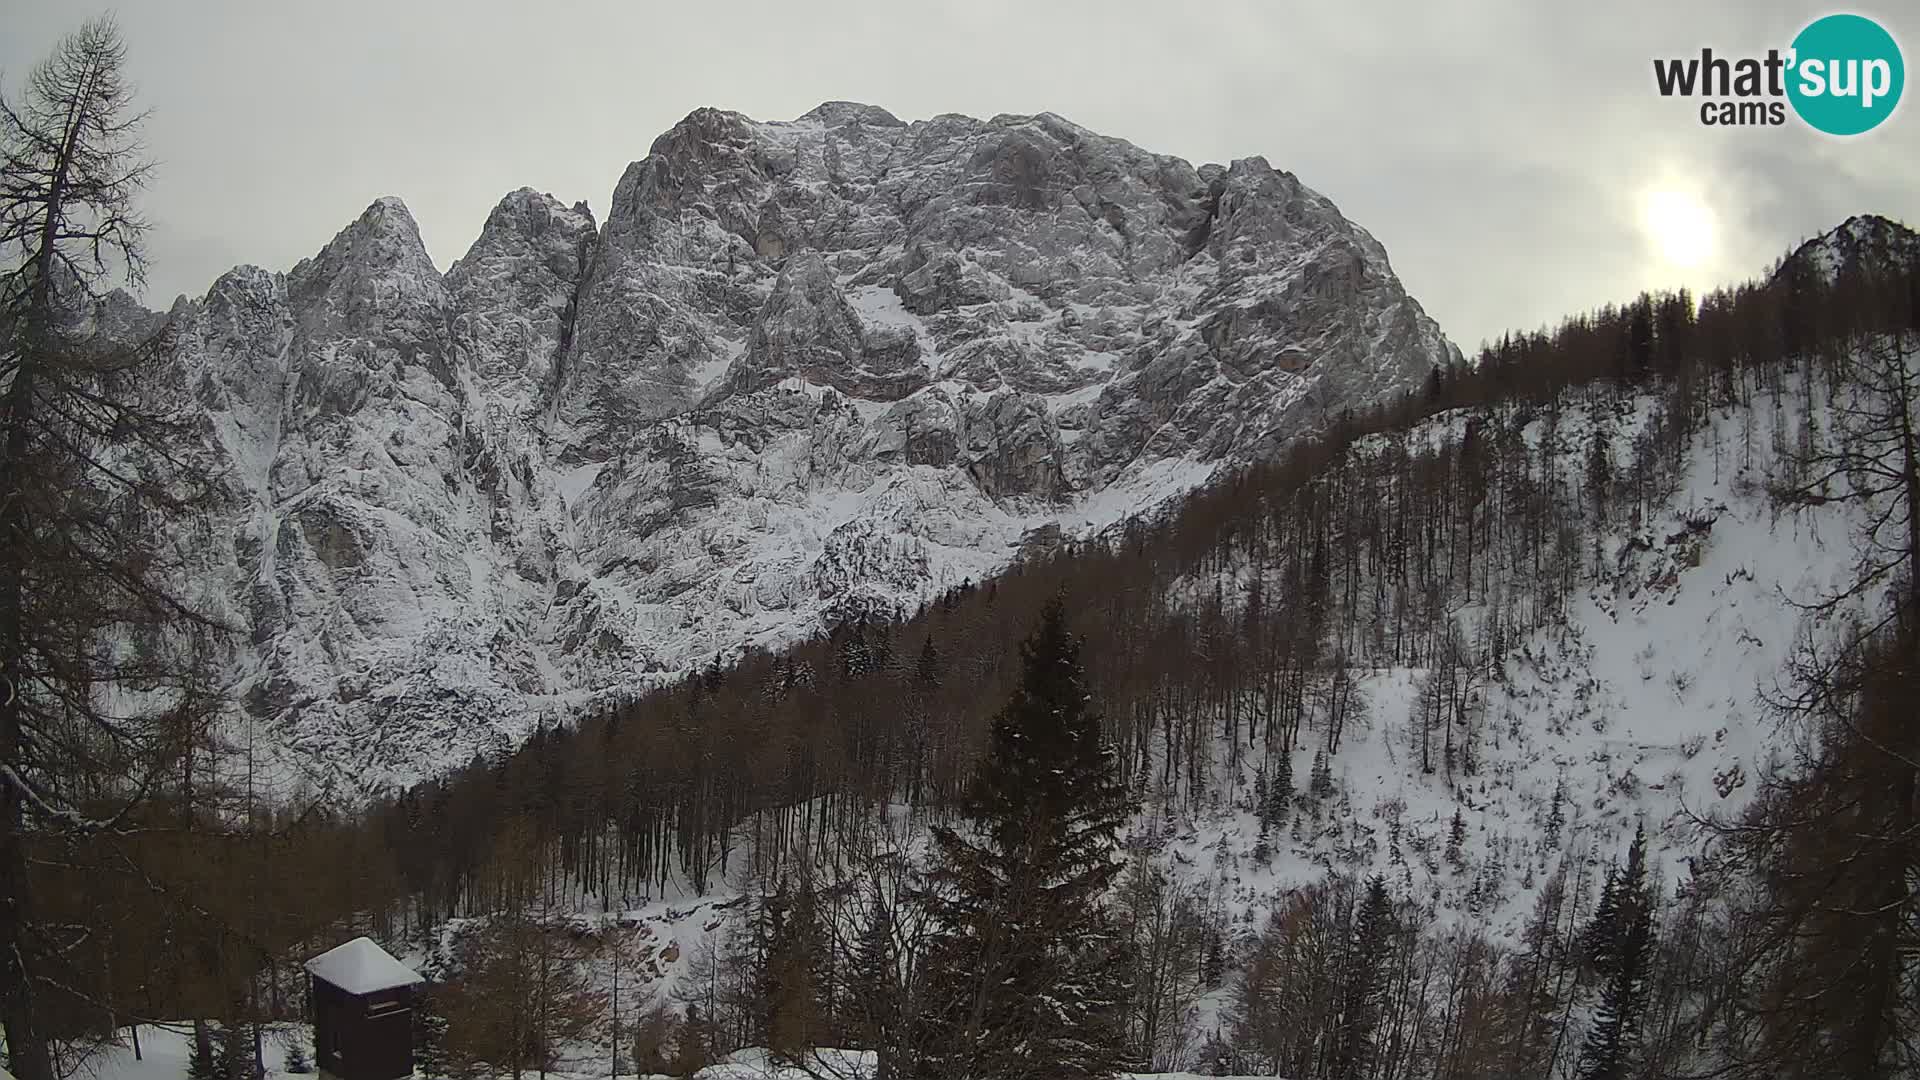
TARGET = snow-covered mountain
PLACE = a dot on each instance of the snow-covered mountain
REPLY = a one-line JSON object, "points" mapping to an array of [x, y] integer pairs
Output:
{"points": [[804, 369]]}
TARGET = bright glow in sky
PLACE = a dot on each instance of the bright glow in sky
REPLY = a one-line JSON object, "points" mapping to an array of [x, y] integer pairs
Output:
{"points": [[1679, 226]]}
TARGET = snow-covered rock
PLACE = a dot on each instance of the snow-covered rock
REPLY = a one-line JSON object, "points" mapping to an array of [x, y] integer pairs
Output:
{"points": [[804, 369]]}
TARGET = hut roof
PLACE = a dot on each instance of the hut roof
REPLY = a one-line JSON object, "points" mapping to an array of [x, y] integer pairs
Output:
{"points": [[361, 967]]}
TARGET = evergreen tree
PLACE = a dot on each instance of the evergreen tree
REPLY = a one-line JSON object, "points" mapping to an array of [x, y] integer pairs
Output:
{"points": [[1027, 971], [1371, 942], [1610, 1051], [1320, 784], [1599, 474], [693, 1043], [789, 987], [1603, 929], [926, 671], [1254, 1008], [233, 1054], [875, 986], [1557, 813], [1280, 790]]}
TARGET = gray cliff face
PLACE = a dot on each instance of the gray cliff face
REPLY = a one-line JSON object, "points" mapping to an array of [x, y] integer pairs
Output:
{"points": [[803, 370]]}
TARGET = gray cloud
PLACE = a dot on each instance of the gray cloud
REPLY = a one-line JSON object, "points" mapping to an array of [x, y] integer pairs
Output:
{"points": [[1499, 150]]}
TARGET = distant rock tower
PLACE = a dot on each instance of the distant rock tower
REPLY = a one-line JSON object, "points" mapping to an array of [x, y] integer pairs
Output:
{"points": [[362, 1012]]}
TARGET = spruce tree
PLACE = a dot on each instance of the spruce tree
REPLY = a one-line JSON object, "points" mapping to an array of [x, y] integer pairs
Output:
{"points": [[1599, 474], [1320, 783], [1597, 941], [1369, 946], [789, 987], [233, 1054], [1612, 1045], [1557, 813], [875, 985], [692, 1043], [1280, 791], [1026, 974]]}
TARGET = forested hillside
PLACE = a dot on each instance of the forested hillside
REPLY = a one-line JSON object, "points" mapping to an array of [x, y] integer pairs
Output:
{"points": [[1556, 720]]}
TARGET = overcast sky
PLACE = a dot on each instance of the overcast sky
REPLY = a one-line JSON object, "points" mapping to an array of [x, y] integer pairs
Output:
{"points": [[1503, 152]]}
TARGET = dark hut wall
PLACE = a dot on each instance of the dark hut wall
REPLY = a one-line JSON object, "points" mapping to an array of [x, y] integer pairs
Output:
{"points": [[363, 1037]]}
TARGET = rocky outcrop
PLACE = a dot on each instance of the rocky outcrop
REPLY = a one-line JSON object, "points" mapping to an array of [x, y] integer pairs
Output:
{"points": [[803, 370]]}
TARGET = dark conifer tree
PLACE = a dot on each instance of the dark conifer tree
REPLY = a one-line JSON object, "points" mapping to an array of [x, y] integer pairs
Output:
{"points": [[789, 991], [1280, 790], [1599, 474], [1603, 930], [874, 984], [927, 669], [1371, 942], [1556, 813], [1320, 784], [1625, 951], [233, 1054], [1026, 976]]}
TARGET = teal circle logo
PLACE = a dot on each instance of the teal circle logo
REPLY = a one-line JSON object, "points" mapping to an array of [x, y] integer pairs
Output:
{"points": [[1846, 74]]}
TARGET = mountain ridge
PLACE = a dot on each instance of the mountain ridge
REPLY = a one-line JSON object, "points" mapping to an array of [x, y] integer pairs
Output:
{"points": [[803, 371]]}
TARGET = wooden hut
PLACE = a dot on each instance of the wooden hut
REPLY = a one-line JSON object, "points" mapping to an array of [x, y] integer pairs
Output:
{"points": [[362, 1012]]}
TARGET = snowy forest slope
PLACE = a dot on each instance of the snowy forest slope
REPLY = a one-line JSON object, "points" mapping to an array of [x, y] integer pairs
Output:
{"points": [[1471, 646]]}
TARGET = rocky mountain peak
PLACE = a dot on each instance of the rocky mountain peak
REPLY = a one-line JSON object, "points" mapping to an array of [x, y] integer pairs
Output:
{"points": [[805, 369], [383, 241], [513, 296], [1862, 242], [842, 113]]}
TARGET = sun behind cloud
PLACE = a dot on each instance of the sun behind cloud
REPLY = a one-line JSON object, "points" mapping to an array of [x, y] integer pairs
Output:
{"points": [[1679, 226]]}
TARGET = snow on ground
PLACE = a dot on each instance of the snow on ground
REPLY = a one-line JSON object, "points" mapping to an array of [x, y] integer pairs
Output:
{"points": [[573, 482], [164, 1049], [879, 306], [1138, 494], [1648, 704]]}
